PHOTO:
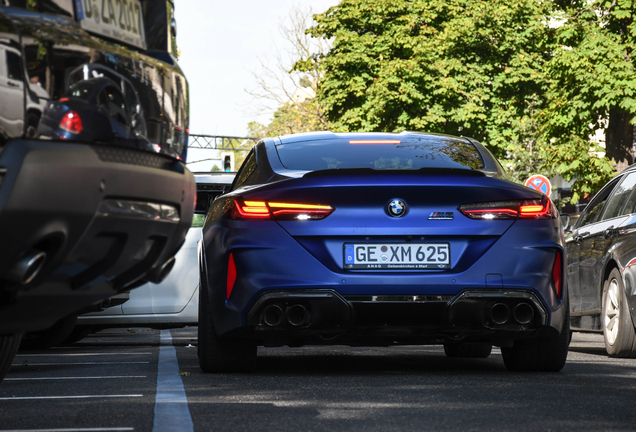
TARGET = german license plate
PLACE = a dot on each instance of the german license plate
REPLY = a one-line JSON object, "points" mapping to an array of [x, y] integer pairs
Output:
{"points": [[116, 19], [396, 256]]}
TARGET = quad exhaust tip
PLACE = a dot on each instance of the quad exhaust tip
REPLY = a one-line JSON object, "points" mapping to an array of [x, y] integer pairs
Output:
{"points": [[295, 315], [27, 267], [522, 313], [272, 315], [500, 313]]}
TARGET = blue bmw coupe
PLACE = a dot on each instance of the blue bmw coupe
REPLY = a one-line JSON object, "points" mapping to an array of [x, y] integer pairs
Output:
{"points": [[380, 239]]}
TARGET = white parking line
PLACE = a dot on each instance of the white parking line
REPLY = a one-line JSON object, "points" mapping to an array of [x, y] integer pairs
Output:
{"points": [[75, 378], [76, 364], [109, 429], [81, 354], [171, 403], [69, 397]]}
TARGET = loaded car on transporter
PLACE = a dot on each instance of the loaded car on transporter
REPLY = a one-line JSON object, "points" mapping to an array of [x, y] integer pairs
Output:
{"points": [[381, 239], [86, 215]]}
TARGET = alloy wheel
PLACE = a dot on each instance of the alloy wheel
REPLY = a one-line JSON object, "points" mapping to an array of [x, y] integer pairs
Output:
{"points": [[612, 312]]}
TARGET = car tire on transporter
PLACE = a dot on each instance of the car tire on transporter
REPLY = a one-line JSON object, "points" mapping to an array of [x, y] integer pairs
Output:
{"points": [[219, 354], [618, 329]]}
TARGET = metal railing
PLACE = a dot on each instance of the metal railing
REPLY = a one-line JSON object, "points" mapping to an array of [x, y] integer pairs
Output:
{"points": [[221, 142]]}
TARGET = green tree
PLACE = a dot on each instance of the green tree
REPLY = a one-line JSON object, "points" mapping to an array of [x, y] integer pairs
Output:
{"points": [[463, 67], [531, 80], [593, 87]]}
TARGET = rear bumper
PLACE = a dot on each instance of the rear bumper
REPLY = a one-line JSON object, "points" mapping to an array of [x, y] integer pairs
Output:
{"points": [[49, 200], [327, 317]]}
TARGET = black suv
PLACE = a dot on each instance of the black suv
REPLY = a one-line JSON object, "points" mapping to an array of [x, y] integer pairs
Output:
{"points": [[601, 249], [95, 198]]}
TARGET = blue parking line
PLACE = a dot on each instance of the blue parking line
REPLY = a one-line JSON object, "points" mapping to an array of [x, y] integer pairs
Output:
{"points": [[171, 404]]}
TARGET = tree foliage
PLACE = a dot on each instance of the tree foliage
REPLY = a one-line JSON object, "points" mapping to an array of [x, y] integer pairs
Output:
{"points": [[437, 66], [592, 87], [531, 80]]}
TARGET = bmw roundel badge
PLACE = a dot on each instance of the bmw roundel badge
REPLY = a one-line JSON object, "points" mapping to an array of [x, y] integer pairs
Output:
{"points": [[396, 208]]}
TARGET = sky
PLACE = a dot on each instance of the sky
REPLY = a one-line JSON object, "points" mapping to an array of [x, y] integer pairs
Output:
{"points": [[220, 44]]}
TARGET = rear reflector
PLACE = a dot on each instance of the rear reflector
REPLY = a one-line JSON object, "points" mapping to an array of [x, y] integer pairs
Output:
{"points": [[557, 275], [279, 210], [71, 122], [539, 208], [231, 276]]}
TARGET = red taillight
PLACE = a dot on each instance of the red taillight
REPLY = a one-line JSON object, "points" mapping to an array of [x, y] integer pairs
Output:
{"points": [[251, 210], [557, 275], [540, 208], [71, 122], [279, 210], [231, 276]]}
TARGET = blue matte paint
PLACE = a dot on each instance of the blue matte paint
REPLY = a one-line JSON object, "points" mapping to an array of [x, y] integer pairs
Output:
{"points": [[171, 403], [311, 254]]}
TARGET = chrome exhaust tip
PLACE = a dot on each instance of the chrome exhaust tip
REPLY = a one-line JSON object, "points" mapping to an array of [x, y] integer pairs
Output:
{"points": [[165, 270], [523, 313], [500, 313], [159, 274], [27, 267], [297, 315], [272, 315]]}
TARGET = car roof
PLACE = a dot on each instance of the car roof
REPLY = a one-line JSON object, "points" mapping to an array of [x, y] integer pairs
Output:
{"points": [[224, 178]]}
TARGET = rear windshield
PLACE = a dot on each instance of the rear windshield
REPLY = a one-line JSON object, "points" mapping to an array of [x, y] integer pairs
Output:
{"points": [[392, 153]]}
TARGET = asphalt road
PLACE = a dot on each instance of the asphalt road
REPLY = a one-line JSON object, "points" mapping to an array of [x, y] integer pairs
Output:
{"points": [[110, 382]]}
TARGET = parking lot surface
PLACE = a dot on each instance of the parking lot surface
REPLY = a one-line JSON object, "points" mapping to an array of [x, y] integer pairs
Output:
{"points": [[129, 379]]}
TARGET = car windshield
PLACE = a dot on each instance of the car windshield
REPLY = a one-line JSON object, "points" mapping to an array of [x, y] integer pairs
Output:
{"points": [[383, 152]]}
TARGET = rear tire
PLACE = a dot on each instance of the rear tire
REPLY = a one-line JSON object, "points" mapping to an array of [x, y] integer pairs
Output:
{"points": [[219, 354], [618, 328], [543, 354], [50, 337], [8, 347], [468, 350]]}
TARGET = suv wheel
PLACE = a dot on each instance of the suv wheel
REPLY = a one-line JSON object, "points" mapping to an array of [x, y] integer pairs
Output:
{"points": [[8, 347], [542, 354], [219, 354], [618, 329]]}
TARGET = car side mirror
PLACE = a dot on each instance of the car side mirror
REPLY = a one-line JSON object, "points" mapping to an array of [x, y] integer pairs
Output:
{"points": [[565, 221]]}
